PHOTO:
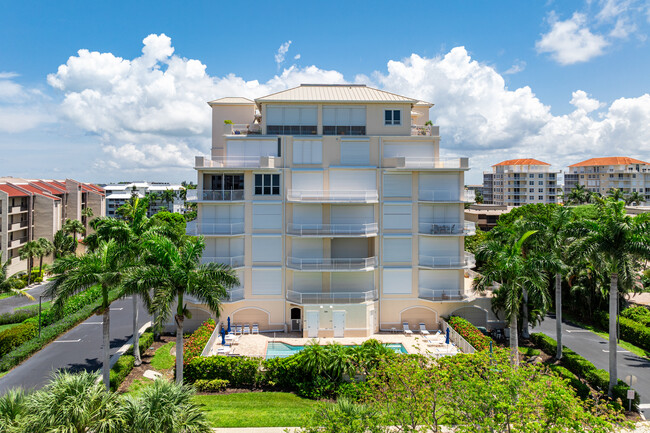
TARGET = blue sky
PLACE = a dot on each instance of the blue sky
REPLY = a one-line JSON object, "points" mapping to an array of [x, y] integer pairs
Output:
{"points": [[551, 80]]}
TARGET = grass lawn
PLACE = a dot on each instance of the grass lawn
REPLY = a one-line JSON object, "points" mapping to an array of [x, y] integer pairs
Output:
{"points": [[163, 359], [9, 326], [44, 306], [255, 409], [6, 295], [529, 351]]}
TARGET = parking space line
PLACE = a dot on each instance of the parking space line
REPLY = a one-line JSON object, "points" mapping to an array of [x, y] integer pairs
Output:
{"points": [[68, 341]]}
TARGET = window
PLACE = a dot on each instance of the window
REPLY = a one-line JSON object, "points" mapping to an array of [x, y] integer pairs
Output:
{"points": [[541, 182], [228, 182], [344, 120], [291, 120], [541, 197], [541, 176], [531, 183], [540, 189], [532, 176], [531, 189], [267, 184], [307, 152], [531, 198], [392, 117]]}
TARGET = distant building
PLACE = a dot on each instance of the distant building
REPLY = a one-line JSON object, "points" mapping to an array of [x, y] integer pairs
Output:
{"points": [[35, 208], [517, 182], [599, 175], [120, 193], [485, 216]]}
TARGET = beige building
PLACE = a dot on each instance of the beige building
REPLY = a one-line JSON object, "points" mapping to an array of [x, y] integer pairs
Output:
{"points": [[602, 174], [485, 216], [517, 182], [335, 207], [35, 208]]}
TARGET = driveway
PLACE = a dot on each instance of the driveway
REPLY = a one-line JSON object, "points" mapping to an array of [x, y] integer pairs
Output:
{"points": [[595, 349], [7, 305], [76, 350]]}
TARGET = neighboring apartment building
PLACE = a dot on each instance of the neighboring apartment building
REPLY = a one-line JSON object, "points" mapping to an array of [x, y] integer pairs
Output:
{"points": [[34, 208], [517, 182], [485, 216], [336, 210], [120, 193], [602, 174]]}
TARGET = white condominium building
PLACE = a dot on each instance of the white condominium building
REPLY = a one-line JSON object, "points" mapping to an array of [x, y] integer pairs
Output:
{"points": [[517, 182], [338, 213], [602, 174], [120, 193]]}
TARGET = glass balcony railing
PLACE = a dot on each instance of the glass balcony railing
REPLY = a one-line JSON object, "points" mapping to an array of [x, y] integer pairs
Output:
{"points": [[466, 260], [333, 230], [234, 228], [234, 295], [446, 196], [332, 264], [232, 261], [331, 297], [214, 195], [466, 228], [333, 196], [442, 295]]}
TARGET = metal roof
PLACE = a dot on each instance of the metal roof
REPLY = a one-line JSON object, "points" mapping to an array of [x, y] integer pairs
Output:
{"points": [[613, 160], [335, 93], [232, 101]]}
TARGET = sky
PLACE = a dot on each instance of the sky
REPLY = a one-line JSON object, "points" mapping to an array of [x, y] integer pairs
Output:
{"points": [[113, 91]]}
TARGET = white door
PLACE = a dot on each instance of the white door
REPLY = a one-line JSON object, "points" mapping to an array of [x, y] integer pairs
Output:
{"points": [[338, 322], [312, 324]]}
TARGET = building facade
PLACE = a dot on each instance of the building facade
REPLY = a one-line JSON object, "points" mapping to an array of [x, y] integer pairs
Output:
{"points": [[120, 193], [35, 208], [599, 175], [336, 210], [517, 182]]}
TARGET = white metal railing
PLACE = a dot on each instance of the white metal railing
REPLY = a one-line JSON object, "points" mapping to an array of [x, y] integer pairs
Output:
{"points": [[234, 295], [445, 196], [426, 130], [232, 261], [430, 162], [466, 228], [331, 264], [456, 339], [215, 195], [351, 196], [211, 342], [242, 129], [467, 260], [331, 297], [195, 229], [366, 229], [441, 295], [473, 275]]}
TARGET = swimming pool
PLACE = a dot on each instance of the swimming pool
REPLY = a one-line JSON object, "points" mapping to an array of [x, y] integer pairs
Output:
{"points": [[282, 350]]}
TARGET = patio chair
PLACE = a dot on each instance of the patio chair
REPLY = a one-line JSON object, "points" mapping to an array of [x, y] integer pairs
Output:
{"points": [[256, 329], [247, 329], [238, 331], [407, 331], [423, 329]]}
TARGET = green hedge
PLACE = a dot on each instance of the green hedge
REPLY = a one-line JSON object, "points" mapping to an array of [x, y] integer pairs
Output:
{"points": [[639, 314], [239, 371], [146, 341], [581, 367], [631, 331], [120, 370], [470, 333], [195, 343], [214, 385], [581, 389], [17, 316], [14, 337]]}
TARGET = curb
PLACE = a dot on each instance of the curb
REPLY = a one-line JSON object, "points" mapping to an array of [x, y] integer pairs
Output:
{"points": [[126, 345]]}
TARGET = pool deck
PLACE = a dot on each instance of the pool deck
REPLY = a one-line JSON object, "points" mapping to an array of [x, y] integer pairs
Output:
{"points": [[255, 344]]}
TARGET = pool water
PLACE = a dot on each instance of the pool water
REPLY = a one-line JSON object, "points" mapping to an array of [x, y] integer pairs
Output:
{"points": [[283, 350]]}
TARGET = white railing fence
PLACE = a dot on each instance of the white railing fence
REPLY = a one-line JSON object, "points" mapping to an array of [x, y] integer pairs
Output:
{"points": [[215, 195], [332, 229], [341, 264], [213, 339], [331, 297], [443, 262], [332, 195], [442, 229], [232, 261], [455, 337]]}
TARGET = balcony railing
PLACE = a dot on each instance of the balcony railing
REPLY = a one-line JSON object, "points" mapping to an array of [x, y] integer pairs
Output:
{"points": [[467, 260], [237, 162], [333, 196], [233, 262], [413, 162], [331, 264], [368, 229], [331, 297], [195, 229], [426, 130], [242, 129], [442, 295], [214, 195], [234, 295], [18, 242], [466, 228], [17, 209], [17, 226], [445, 196]]}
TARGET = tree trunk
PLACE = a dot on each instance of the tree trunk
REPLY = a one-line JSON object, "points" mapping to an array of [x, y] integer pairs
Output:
{"points": [[558, 314], [40, 266], [524, 316], [29, 270], [514, 340], [136, 333], [106, 364], [179, 348], [613, 304], [156, 332]]}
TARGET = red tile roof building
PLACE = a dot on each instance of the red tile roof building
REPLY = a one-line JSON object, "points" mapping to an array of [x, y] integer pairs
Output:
{"points": [[601, 175], [517, 182]]}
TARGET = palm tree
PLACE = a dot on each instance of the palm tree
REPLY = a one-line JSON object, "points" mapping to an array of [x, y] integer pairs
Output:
{"points": [[168, 197], [153, 198], [10, 283], [635, 198], [617, 243], [74, 227], [86, 214], [104, 267], [30, 250], [174, 272], [507, 263], [578, 195], [63, 244], [46, 249], [616, 194]]}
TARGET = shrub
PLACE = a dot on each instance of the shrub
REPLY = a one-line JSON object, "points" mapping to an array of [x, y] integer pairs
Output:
{"points": [[581, 389], [194, 345], [17, 316], [470, 333], [14, 337], [146, 340], [120, 370], [240, 372], [631, 331], [214, 385], [639, 314]]}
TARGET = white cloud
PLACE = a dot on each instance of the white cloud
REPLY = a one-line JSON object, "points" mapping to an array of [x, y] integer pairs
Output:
{"points": [[612, 9], [517, 67], [571, 41], [20, 109], [282, 51], [296, 57], [623, 28], [582, 101]]}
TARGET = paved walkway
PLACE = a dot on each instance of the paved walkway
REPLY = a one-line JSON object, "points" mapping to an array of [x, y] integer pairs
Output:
{"points": [[7, 305], [595, 349]]}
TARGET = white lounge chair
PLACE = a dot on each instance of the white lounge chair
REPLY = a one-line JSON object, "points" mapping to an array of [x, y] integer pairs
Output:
{"points": [[407, 331], [256, 329], [238, 332], [247, 329], [423, 329]]}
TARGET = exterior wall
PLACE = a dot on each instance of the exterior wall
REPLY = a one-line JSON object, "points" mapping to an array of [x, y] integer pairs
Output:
{"points": [[74, 199], [510, 185], [628, 178], [4, 219], [238, 114], [46, 216]]}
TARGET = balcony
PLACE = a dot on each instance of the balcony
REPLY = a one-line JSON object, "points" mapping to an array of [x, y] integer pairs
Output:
{"points": [[445, 196], [18, 242], [214, 195], [332, 264], [412, 162], [466, 228], [332, 196], [467, 260], [425, 130], [333, 230], [237, 162], [17, 226], [233, 262], [443, 295], [242, 129], [331, 297], [224, 229], [234, 296], [18, 209]]}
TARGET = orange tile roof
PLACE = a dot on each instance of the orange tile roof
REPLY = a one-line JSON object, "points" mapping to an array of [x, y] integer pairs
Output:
{"points": [[48, 187], [12, 191], [35, 190], [611, 160], [524, 161]]}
